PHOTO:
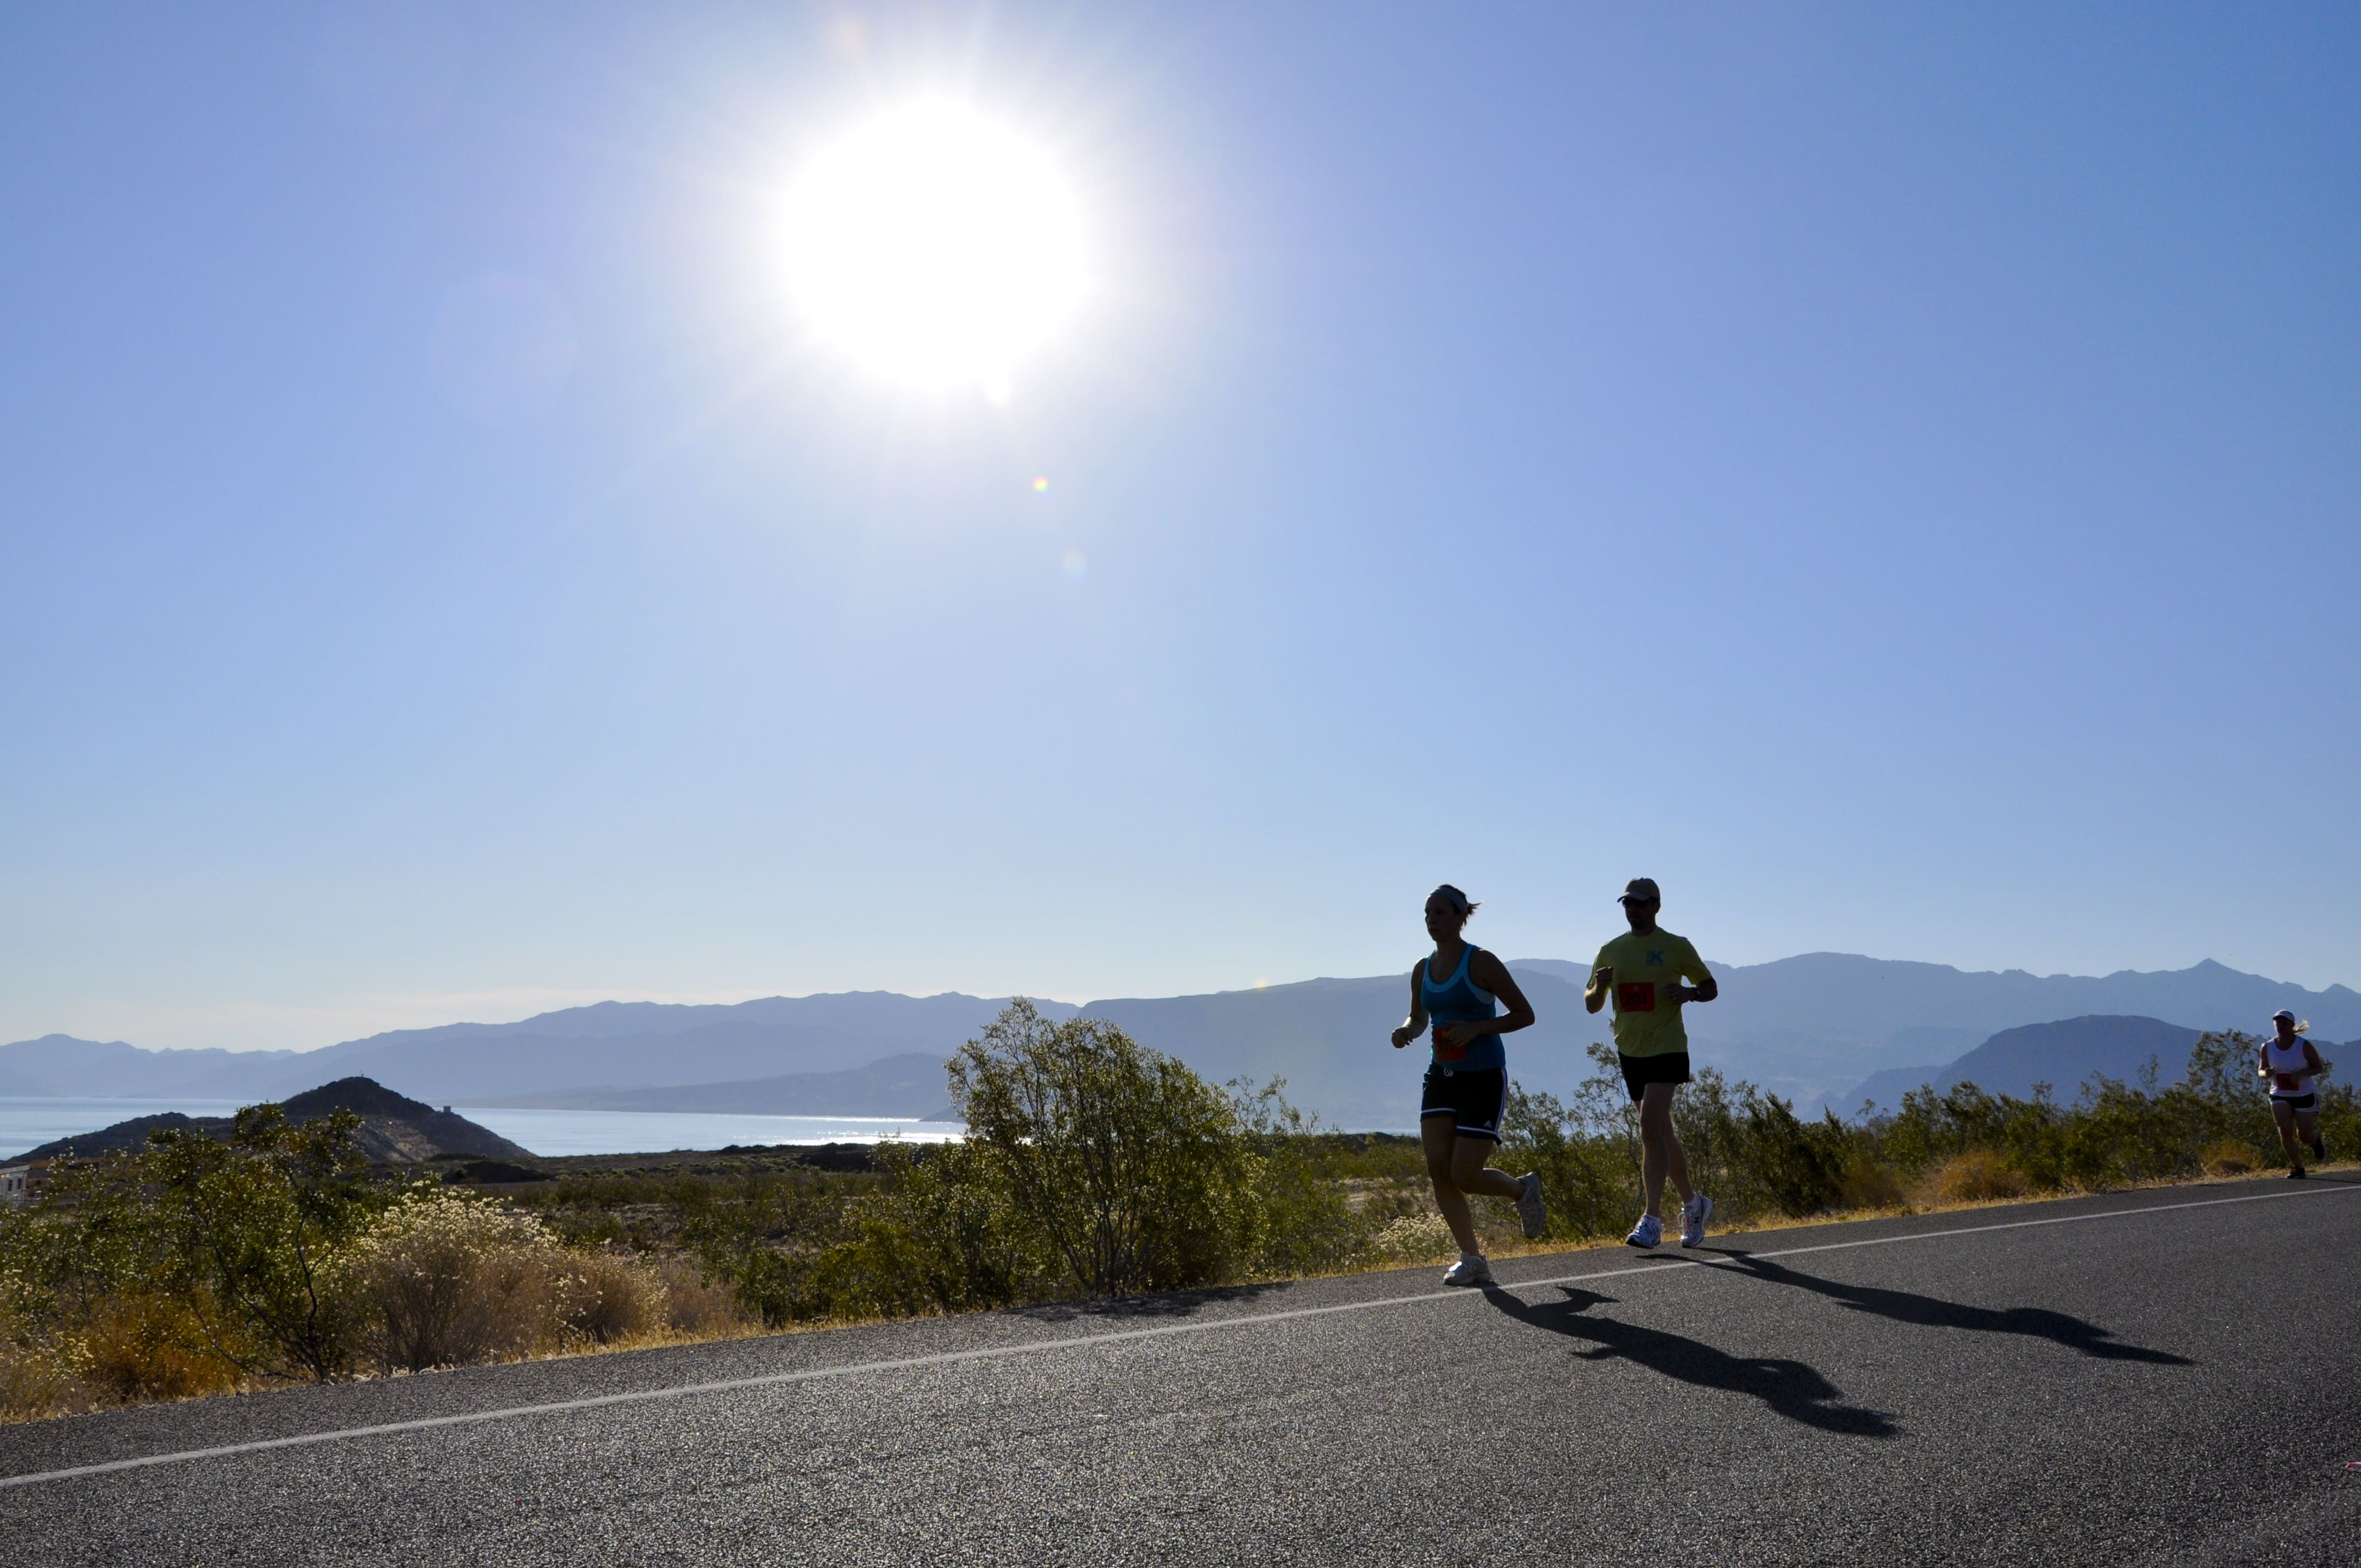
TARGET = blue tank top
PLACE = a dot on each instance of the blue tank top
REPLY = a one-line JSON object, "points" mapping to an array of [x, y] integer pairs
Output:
{"points": [[1460, 1000]]}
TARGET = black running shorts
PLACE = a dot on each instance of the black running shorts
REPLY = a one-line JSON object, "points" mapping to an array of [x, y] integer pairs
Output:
{"points": [[1671, 1067], [1473, 1099], [2297, 1102]]}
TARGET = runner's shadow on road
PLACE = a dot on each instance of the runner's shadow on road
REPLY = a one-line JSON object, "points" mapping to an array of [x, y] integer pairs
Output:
{"points": [[1789, 1388], [1933, 1313]]}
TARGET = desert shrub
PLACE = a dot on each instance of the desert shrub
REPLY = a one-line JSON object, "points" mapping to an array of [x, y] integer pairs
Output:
{"points": [[1799, 1167], [1413, 1238], [2114, 1132], [445, 1279], [1870, 1183], [32, 1384], [33, 1381], [1132, 1168], [950, 1223], [1309, 1222], [142, 1347], [2228, 1156], [247, 1229], [698, 1303], [603, 1298], [1588, 1165], [765, 1234], [1978, 1176]]}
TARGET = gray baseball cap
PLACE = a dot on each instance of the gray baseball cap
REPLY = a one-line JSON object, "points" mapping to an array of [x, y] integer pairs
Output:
{"points": [[1640, 889]]}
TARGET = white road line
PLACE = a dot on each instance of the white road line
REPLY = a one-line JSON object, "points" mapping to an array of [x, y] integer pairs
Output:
{"points": [[1664, 1265]]}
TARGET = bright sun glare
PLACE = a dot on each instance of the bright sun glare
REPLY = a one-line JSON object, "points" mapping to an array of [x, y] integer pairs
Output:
{"points": [[935, 246]]}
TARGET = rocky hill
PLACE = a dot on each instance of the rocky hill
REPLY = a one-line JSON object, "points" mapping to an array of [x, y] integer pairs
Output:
{"points": [[394, 1130]]}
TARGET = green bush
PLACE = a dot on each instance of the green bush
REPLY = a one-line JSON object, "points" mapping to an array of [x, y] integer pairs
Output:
{"points": [[1135, 1170], [1586, 1155], [249, 1228], [1747, 1148], [1309, 1223], [950, 1224]]}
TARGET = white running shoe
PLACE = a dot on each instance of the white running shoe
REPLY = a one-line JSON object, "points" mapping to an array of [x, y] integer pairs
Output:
{"points": [[1471, 1269], [1693, 1214], [1647, 1233], [1528, 1206]]}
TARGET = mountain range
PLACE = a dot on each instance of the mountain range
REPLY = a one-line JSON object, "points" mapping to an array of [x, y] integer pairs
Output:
{"points": [[1820, 1029]]}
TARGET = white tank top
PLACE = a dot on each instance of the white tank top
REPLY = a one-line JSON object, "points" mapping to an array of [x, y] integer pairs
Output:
{"points": [[2284, 1062]]}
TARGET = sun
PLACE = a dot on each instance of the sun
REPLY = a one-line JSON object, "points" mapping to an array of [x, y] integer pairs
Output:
{"points": [[935, 248]]}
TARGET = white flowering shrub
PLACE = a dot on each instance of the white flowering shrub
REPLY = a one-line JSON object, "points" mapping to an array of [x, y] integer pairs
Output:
{"points": [[445, 1279], [603, 1298], [1413, 1238]]}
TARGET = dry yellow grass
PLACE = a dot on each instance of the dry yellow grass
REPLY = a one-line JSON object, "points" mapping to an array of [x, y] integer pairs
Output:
{"points": [[1977, 1175], [2230, 1157]]}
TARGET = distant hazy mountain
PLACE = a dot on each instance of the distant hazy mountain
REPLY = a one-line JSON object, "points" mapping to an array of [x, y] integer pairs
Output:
{"points": [[1823, 1021], [62, 1065], [2064, 1054], [1808, 1027], [913, 1085], [613, 1045], [1804, 1027]]}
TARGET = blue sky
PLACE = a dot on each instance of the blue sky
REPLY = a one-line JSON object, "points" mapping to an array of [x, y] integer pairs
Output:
{"points": [[1889, 473]]}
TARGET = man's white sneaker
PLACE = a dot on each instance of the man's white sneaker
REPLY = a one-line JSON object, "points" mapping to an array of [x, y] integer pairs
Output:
{"points": [[1528, 1207], [1647, 1233], [1693, 1214], [1471, 1269]]}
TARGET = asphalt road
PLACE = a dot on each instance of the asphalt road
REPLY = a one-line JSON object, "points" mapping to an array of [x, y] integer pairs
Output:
{"points": [[2167, 1377]]}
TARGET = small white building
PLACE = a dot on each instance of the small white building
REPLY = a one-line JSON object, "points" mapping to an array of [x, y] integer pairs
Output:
{"points": [[16, 1184]]}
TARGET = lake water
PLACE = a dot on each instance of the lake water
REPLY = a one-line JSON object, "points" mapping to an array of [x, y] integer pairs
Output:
{"points": [[656, 1132], [28, 1123]]}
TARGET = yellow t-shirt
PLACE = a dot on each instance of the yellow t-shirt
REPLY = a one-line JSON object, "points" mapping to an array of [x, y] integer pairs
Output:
{"points": [[1648, 1023]]}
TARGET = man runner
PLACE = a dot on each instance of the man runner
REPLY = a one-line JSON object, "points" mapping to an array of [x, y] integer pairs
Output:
{"points": [[1642, 969], [1467, 1083], [2290, 1065]]}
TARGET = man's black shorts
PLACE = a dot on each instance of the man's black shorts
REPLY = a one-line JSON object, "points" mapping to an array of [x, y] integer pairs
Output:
{"points": [[1473, 1100], [1671, 1067]]}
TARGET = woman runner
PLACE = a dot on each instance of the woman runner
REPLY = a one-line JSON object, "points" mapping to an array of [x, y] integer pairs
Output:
{"points": [[2288, 1062], [1459, 988]]}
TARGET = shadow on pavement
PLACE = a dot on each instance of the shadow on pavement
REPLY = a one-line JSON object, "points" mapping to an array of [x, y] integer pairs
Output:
{"points": [[1933, 1313], [1789, 1388]]}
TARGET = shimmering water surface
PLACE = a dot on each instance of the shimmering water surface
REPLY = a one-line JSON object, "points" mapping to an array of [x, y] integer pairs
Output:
{"points": [[28, 1123], [653, 1132]]}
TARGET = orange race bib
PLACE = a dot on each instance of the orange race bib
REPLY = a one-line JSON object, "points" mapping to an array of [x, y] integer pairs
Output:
{"points": [[1636, 996], [1448, 1052]]}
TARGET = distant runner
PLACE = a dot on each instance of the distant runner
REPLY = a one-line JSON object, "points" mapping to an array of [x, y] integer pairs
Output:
{"points": [[1642, 969], [1467, 1083], [2290, 1065]]}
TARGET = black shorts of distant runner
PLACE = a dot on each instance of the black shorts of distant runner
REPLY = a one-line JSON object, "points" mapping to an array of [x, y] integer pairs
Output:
{"points": [[2297, 1102], [1670, 1066], [1473, 1100]]}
